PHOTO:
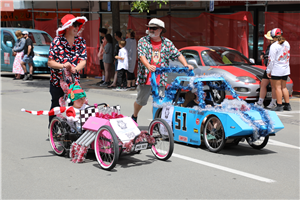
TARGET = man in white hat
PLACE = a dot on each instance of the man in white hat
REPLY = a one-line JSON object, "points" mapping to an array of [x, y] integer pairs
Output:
{"points": [[28, 56], [154, 51]]}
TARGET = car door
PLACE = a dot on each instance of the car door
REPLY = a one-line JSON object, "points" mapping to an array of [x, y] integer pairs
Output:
{"points": [[1, 51], [7, 44]]}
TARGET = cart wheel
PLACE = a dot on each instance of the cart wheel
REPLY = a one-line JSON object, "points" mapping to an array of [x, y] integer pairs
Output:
{"points": [[214, 134], [258, 144], [106, 147], [164, 145], [57, 136]]}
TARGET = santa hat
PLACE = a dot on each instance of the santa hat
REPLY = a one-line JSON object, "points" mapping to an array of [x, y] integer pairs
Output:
{"points": [[75, 92], [68, 21], [70, 112]]}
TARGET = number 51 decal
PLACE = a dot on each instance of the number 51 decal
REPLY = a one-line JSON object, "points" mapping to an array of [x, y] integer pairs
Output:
{"points": [[178, 121]]}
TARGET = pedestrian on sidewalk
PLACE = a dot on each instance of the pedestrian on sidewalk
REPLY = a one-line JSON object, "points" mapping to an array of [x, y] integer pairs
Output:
{"points": [[28, 56], [18, 52], [67, 50], [278, 69], [154, 51], [102, 32], [107, 59], [122, 58], [118, 37], [265, 80], [132, 53]]}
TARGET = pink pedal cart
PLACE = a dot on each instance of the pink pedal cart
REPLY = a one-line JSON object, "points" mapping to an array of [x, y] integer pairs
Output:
{"points": [[108, 133]]}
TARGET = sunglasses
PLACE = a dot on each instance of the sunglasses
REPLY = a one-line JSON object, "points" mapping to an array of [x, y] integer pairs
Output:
{"points": [[76, 24], [153, 28]]}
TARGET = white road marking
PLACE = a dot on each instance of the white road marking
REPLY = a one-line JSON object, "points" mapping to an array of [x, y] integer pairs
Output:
{"points": [[150, 119], [234, 171], [276, 143], [133, 94], [284, 115], [292, 112]]}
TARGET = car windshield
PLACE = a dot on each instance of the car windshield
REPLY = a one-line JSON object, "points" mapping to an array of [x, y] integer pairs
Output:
{"points": [[40, 39], [223, 57]]}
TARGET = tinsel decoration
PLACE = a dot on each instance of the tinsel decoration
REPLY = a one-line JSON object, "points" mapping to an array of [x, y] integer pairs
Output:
{"points": [[143, 136], [168, 96]]}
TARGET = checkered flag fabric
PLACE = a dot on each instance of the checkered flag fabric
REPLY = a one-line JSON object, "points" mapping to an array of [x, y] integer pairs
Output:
{"points": [[86, 113]]}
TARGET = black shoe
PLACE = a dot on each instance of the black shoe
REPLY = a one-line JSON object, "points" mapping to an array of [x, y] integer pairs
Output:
{"points": [[287, 107], [26, 76], [134, 118], [105, 84], [278, 108], [30, 77]]}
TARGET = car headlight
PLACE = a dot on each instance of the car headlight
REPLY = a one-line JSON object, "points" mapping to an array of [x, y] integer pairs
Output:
{"points": [[245, 79], [36, 54]]}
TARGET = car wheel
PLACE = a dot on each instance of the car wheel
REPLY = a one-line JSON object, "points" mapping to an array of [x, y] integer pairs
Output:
{"points": [[218, 95], [214, 134], [258, 144]]}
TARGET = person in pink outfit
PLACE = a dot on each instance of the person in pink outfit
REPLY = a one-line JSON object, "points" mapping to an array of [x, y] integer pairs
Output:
{"points": [[18, 52]]}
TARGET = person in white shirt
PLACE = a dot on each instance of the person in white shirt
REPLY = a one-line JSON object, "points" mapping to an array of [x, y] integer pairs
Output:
{"points": [[122, 67], [278, 69]]}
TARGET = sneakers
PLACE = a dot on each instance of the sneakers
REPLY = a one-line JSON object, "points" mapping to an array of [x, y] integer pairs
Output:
{"points": [[278, 108], [26, 77], [30, 77], [271, 106], [105, 84], [287, 107], [259, 104], [134, 118], [119, 89]]}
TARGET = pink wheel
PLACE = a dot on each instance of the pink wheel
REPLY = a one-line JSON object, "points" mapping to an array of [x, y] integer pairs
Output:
{"points": [[106, 147], [57, 135]]}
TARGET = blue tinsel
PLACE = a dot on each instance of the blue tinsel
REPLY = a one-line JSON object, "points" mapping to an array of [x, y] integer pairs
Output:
{"points": [[169, 95]]}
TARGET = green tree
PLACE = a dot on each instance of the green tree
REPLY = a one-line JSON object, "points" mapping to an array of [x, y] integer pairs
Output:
{"points": [[143, 5]]}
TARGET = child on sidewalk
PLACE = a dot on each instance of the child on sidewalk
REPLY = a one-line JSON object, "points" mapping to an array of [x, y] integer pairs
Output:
{"points": [[122, 67]]}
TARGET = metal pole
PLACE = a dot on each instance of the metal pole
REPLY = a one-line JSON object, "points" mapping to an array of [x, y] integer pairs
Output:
{"points": [[57, 14], [32, 14], [100, 15], [266, 6], [247, 5], [71, 7]]}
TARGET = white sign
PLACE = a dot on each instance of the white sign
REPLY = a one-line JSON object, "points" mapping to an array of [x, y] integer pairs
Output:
{"points": [[211, 6], [6, 58], [125, 128], [167, 115]]}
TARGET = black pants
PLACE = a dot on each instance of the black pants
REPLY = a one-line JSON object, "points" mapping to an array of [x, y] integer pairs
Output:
{"points": [[121, 78]]}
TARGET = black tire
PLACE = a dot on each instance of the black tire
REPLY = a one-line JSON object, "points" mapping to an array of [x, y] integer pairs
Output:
{"points": [[57, 133], [214, 134], [218, 95], [164, 145], [158, 113], [106, 147], [258, 144]]}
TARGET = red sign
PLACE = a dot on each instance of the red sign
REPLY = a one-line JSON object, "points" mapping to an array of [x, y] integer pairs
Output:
{"points": [[183, 138], [197, 121], [25, 15], [233, 2], [7, 6]]}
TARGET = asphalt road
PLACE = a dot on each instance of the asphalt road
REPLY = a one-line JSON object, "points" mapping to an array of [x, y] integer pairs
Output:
{"points": [[30, 169]]}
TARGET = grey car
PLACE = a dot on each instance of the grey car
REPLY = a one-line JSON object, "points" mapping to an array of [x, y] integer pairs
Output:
{"points": [[243, 75]]}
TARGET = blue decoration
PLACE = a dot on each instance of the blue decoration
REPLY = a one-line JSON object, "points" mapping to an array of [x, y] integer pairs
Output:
{"points": [[171, 91]]}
